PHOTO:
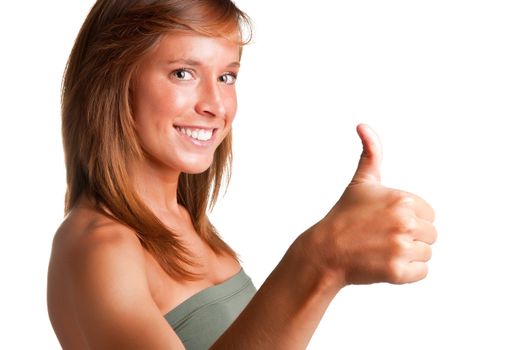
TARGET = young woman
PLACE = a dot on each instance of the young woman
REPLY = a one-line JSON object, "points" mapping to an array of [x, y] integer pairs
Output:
{"points": [[148, 102]]}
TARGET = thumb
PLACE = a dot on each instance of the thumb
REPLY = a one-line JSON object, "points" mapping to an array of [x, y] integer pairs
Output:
{"points": [[369, 166]]}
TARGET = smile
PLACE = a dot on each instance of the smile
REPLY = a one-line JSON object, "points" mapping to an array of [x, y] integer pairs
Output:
{"points": [[196, 133]]}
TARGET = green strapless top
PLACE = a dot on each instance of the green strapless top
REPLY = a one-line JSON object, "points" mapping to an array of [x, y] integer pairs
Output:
{"points": [[201, 319]]}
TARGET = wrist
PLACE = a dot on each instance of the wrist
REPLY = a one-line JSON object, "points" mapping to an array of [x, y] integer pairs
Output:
{"points": [[309, 252]]}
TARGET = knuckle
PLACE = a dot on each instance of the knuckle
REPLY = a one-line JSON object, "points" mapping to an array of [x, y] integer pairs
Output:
{"points": [[402, 198], [428, 235], [423, 271], [433, 236], [432, 214], [418, 272], [428, 252], [395, 272], [395, 247], [408, 224], [399, 247], [404, 224]]}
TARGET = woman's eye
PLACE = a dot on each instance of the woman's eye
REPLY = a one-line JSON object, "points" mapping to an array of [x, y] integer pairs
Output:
{"points": [[182, 74], [229, 78]]}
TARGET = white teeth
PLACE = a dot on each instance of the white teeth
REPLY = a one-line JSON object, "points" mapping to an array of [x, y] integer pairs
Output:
{"points": [[198, 134], [204, 135]]}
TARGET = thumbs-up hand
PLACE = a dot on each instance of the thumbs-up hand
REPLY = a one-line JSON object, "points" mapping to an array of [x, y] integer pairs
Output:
{"points": [[373, 233]]}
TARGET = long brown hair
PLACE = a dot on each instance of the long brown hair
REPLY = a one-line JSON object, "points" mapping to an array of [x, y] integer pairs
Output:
{"points": [[98, 127]]}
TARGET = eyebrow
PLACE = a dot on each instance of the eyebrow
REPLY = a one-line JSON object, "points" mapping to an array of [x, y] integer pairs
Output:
{"points": [[192, 62]]}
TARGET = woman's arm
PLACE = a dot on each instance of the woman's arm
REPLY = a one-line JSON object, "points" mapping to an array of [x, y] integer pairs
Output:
{"points": [[286, 310], [108, 286], [372, 234]]}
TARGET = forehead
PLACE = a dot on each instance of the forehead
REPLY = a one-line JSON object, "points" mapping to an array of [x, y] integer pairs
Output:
{"points": [[190, 46]]}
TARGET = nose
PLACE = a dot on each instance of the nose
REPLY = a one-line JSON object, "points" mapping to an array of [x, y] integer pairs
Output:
{"points": [[210, 101]]}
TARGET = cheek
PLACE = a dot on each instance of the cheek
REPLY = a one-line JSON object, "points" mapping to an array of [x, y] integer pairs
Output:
{"points": [[157, 107], [231, 104], [170, 102], [156, 98]]}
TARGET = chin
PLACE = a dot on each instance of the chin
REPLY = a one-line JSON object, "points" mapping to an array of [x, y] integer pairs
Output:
{"points": [[195, 171], [197, 167]]}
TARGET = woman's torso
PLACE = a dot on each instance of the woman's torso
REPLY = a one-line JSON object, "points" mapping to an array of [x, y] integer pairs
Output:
{"points": [[166, 291]]}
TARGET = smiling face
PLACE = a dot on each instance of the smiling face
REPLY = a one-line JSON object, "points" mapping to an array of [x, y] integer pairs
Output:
{"points": [[184, 100]]}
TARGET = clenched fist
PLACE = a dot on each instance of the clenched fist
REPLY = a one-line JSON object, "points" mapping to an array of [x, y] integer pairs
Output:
{"points": [[373, 233]]}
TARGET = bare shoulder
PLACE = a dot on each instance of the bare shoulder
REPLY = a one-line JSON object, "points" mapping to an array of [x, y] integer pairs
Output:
{"points": [[87, 230], [97, 278], [96, 246], [94, 237], [90, 245]]}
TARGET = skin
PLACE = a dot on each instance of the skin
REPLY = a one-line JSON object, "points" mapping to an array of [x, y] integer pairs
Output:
{"points": [[372, 234], [106, 291], [99, 273]]}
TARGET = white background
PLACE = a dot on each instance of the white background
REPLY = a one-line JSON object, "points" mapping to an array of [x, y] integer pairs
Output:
{"points": [[444, 84]]}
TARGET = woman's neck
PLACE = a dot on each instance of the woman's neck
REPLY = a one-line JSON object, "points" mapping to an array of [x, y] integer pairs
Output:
{"points": [[157, 186]]}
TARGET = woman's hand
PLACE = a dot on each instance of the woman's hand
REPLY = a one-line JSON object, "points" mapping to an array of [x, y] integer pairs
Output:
{"points": [[373, 233]]}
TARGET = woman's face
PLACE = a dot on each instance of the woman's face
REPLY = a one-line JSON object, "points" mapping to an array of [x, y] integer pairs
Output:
{"points": [[184, 100]]}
